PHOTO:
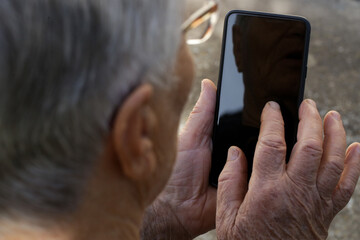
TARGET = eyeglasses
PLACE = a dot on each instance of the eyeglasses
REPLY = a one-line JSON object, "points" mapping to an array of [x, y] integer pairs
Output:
{"points": [[206, 17]]}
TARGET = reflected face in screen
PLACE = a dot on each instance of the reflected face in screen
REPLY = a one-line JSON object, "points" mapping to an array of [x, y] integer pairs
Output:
{"points": [[262, 61]]}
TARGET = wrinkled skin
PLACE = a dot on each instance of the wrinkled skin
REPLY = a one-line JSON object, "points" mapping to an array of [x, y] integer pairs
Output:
{"points": [[294, 201], [188, 189]]}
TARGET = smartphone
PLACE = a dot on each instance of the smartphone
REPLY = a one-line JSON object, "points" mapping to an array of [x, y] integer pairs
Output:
{"points": [[264, 58]]}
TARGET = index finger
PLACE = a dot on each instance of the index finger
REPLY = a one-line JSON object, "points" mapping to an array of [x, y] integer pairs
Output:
{"points": [[270, 152], [307, 152]]}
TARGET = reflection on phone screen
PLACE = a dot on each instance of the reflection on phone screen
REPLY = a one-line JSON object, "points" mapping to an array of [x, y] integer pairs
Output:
{"points": [[263, 61]]}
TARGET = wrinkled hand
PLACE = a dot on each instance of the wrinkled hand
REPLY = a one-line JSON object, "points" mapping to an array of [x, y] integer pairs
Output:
{"points": [[297, 200], [188, 201]]}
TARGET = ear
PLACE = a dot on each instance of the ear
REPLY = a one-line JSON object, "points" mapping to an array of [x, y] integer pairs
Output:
{"points": [[131, 136]]}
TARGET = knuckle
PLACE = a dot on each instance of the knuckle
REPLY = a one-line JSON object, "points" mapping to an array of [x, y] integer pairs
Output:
{"points": [[225, 177], [273, 144], [196, 110], [338, 154], [335, 168], [342, 200], [225, 182], [346, 192], [312, 148]]}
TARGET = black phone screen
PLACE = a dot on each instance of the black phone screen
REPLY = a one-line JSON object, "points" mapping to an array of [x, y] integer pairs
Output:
{"points": [[264, 59]]}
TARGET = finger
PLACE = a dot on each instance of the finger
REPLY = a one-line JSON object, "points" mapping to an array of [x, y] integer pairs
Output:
{"points": [[307, 152], [232, 186], [346, 186], [200, 121], [270, 152], [332, 163]]}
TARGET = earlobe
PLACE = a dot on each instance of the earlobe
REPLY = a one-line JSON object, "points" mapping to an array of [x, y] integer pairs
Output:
{"points": [[132, 134]]}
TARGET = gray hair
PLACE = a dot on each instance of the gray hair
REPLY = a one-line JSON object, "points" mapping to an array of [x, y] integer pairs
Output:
{"points": [[65, 65]]}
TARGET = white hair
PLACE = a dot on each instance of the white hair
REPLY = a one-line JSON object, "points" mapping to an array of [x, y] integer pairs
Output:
{"points": [[65, 66]]}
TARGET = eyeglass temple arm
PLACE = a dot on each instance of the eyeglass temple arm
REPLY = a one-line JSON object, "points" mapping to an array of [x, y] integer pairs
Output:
{"points": [[200, 16]]}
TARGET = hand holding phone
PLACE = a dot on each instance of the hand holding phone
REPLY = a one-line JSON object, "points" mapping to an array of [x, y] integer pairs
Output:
{"points": [[297, 200], [264, 58]]}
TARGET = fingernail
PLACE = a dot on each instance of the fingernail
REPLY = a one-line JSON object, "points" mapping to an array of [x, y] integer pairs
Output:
{"points": [[202, 85], [357, 149], [274, 105], [311, 102], [336, 115], [234, 153]]}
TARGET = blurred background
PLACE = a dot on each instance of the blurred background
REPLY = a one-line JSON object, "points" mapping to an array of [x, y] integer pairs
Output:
{"points": [[333, 79]]}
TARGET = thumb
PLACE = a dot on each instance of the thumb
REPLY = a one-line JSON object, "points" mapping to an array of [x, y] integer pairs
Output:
{"points": [[232, 186], [200, 122]]}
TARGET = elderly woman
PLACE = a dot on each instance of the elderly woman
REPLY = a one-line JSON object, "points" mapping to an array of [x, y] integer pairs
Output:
{"points": [[90, 99]]}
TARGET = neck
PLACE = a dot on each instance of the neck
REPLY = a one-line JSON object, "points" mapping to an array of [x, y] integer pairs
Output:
{"points": [[108, 219], [112, 208]]}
